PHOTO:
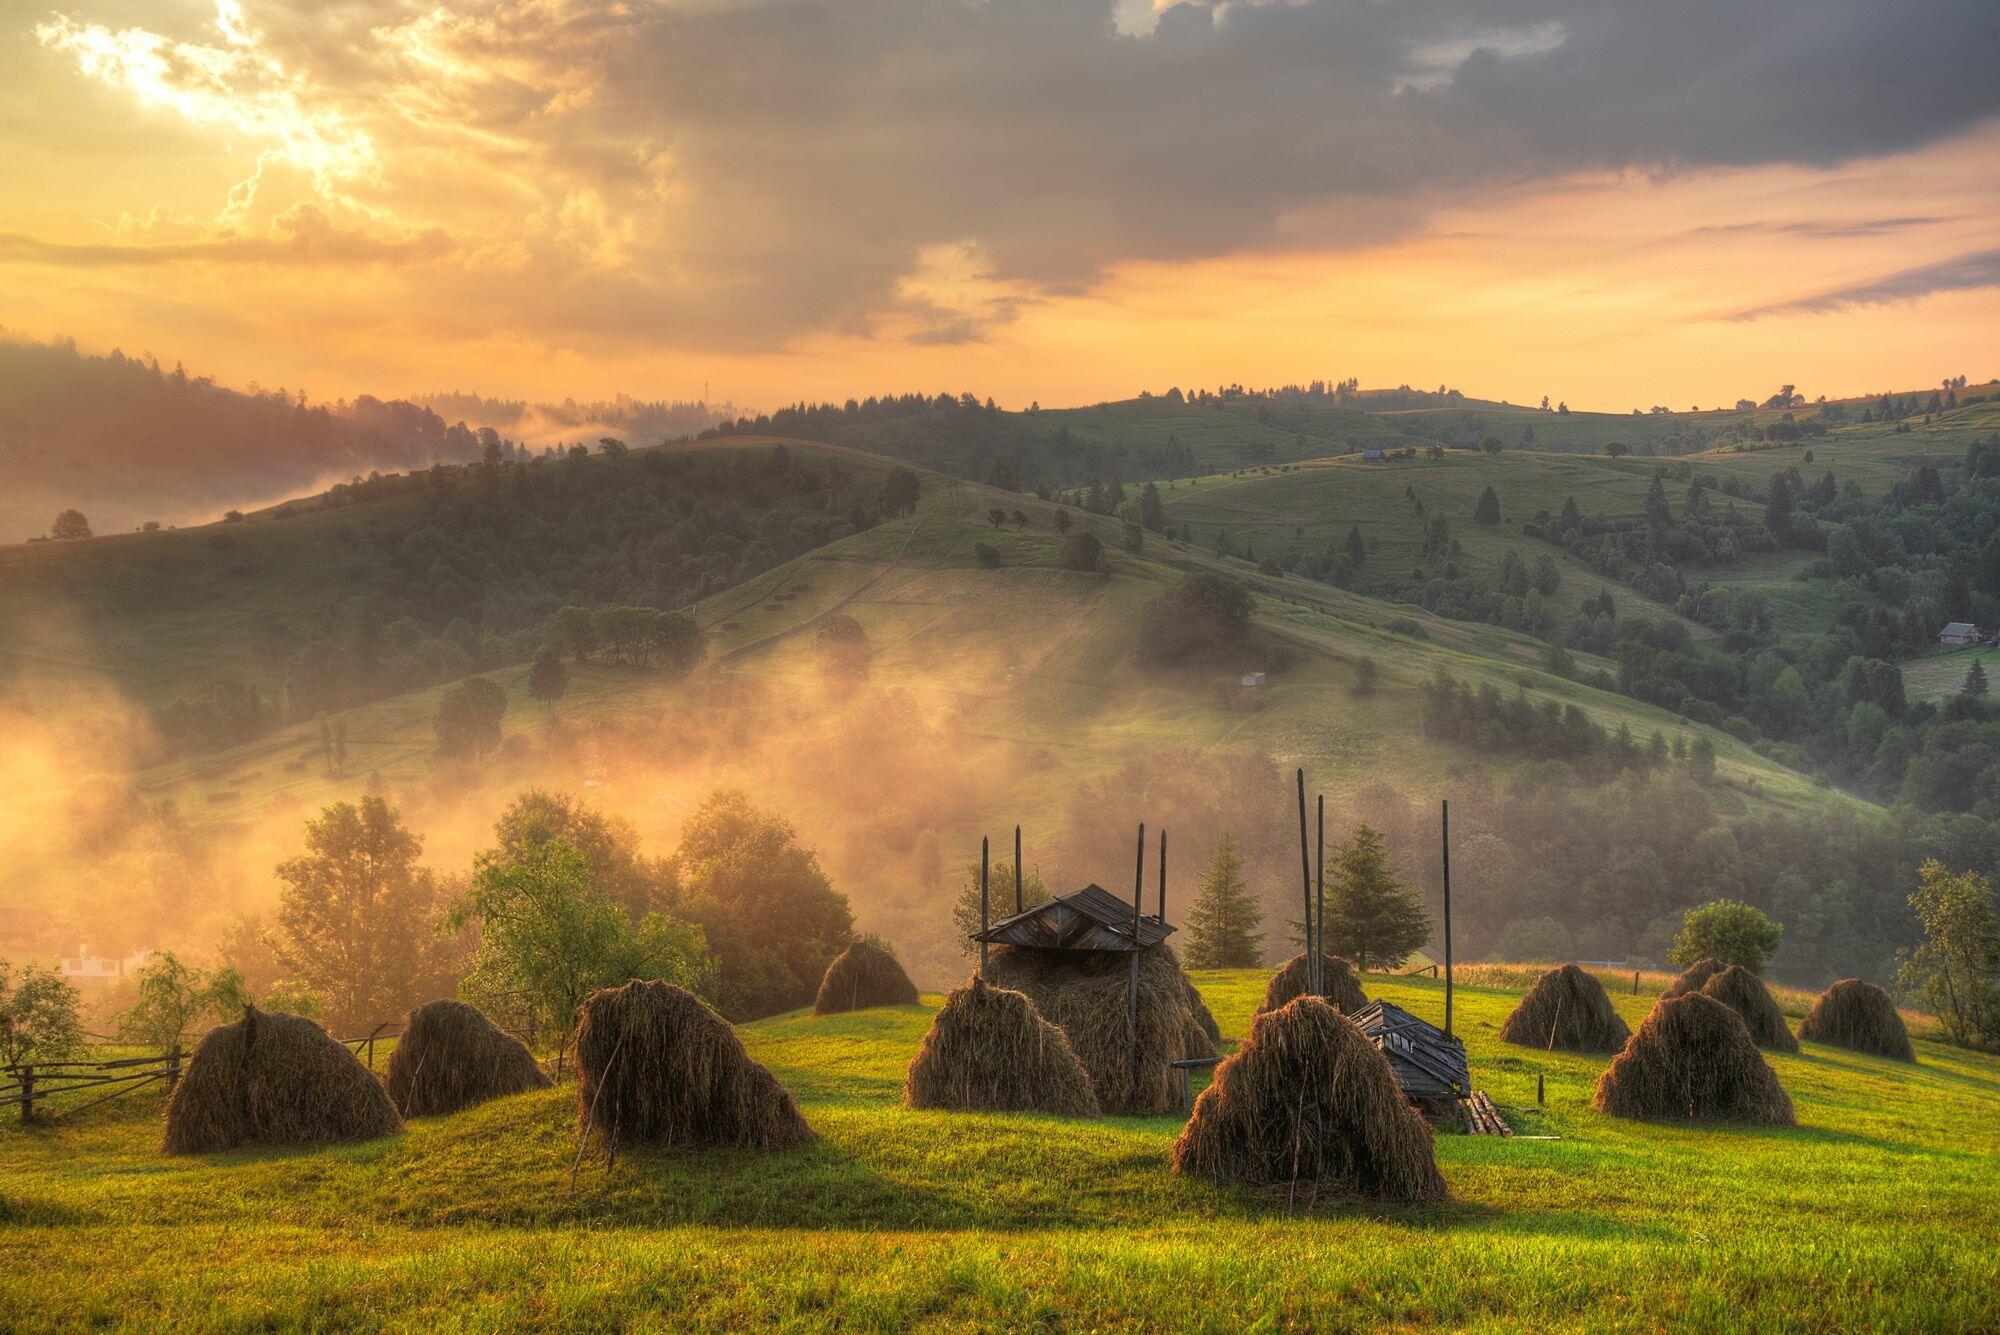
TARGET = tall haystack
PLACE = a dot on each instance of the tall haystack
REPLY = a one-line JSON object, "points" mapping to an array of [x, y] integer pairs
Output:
{"points": [[271, 1079], [1343, 988], [990, 1050], [655, 1064], [1568, 1009], [1693, 1060], [1859, 1016], [1744, 992], [1308, 1102], [451, 1057], [864, 975], [1087, 995], [1692, 978]]}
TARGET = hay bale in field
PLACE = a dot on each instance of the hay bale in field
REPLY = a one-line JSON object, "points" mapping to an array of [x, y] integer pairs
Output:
{"points": [[452, 1057], [271, 1079], [1343, 988], [1693, 1060], [1086, 994], [1692, 978], [1744, 992], [1308, 1100], [1568, 1009], [654, 1064], [864, 975], [1859, 1016], [990, 1050]]}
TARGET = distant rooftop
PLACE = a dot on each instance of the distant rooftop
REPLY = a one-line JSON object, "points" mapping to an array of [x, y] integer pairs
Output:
{"points": [[1088, 919]]}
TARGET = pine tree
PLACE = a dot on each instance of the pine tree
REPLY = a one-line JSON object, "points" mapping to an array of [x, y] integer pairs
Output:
{"points": [[1488, 509], [1356, 548], [1975, 682], [1778, 510], [1371, 918], [1223, 921]]}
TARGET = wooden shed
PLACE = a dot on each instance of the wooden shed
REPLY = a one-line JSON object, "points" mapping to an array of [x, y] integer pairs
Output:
{"points": [[1429, 1063]]}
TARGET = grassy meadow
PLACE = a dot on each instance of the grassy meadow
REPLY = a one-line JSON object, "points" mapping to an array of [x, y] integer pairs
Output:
{"points": [[1876, 1212]]}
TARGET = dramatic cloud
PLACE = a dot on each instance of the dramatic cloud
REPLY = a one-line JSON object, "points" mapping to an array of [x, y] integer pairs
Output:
{"points": [[763, 167], [1962, 273]]}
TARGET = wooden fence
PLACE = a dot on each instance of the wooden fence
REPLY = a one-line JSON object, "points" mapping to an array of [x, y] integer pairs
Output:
{"points": [[46, 1084]]}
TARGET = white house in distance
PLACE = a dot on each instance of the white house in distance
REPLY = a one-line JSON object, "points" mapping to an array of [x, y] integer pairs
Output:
{"points": [[1256, 678], [1959, 633], [87, 967]]}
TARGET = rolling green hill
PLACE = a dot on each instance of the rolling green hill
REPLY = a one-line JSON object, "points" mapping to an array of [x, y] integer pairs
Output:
{"points": [[1875, 1212]]}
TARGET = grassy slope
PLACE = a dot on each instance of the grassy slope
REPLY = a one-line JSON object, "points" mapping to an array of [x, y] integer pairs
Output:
{"points": [[1876, 1212], [1029, 652]]}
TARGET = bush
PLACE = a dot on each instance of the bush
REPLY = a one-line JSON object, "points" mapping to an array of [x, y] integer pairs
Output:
{"points": [[1202, 613], [1728, 932], [1082, 551], [988, 554]]}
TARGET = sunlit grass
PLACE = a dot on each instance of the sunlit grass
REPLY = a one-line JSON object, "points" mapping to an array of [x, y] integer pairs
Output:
{"points": [[1876, 1212]]}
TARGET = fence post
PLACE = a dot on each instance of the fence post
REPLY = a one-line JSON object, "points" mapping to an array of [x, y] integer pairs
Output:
{"points": [[1635, 982], [27, 1093], [173, 1068]]}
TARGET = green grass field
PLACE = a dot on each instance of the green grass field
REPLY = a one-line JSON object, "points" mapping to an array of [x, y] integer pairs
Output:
{"points": [[1877, 1212]]}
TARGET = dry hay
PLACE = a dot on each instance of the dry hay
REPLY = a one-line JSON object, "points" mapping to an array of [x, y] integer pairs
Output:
{"points": [[864, 975], [1087, 995], [990, 1050], [1859, 1016], [1744, 992], [1692, 978], [1309, 1101], [655, 1064], [451, 1057], [1693, 1060], [1343, 988], [271, 1079], [1568, 1009]]}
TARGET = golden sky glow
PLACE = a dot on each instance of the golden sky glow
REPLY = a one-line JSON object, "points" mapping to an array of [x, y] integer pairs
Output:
{"points": [[565, 197]]}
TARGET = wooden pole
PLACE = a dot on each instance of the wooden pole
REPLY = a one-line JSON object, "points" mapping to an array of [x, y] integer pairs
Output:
{"points": [[1319, 908], [1445, 810], [1163, 878], [1132, 984], [1018, 906], [985, 904], [1306, 875]]}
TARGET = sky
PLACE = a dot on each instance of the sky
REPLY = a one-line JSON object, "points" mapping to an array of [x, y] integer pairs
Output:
{"points": [[1617, 203]]}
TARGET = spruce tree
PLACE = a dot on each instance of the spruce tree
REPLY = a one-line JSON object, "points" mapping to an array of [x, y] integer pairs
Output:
{"points": [[1371, 918], [1356, 549], [1488, 509], [1223, 921], [1975, 685]]}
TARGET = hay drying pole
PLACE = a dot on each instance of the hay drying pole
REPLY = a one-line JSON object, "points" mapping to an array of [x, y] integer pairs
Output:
{"points": [[1018, 906], [1318, 955], [1445, 812], [985, 905], [1132, 987], [1306, 879], [1163, 878]]}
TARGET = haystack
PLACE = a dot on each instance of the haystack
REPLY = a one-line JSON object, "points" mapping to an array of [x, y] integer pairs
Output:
{"points": [[1693, 1060], [1859, 1016], [1744, 992], [990, 1050], [655, 1064], [1308, 1102], [864, 975], [1343, 988], [1568, 1009], [271, 1079], [1204, 1018], [1692, 978], [451, 1057], [1086, 994]]}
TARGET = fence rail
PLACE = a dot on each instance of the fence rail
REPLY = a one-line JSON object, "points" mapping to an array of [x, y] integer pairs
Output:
{"points": [[41, 1084]]}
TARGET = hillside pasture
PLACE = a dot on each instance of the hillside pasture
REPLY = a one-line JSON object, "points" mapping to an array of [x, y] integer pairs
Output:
{"points": [[1875, 1212]]}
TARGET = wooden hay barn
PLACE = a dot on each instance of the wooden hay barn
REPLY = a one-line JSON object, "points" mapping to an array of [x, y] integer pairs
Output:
{"points": [[1429, 1064], [1088, 919]]}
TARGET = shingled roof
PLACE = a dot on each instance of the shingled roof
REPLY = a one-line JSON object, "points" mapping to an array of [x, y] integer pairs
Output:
{"points": [[1088, 919], [1428, 1064]]}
